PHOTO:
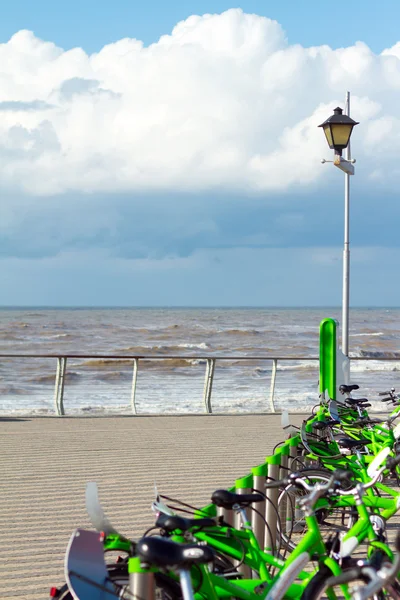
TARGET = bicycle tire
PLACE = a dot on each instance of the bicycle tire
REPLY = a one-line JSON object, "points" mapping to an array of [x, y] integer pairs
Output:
{"points": [[166, 588], [317, 588], [287, 511]]}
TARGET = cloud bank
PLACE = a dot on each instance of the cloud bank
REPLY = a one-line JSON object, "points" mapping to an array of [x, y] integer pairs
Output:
{"points": [[222, 103], [188, 171]]}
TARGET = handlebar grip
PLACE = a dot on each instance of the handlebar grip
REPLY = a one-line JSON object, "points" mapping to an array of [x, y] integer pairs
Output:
{"points": [[342, 475], [397, 542], [276, 484], [386, 399], [391, 463], [384, 393], [345, 577]]}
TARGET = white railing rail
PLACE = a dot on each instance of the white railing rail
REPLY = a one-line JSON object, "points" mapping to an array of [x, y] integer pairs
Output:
{"points": [[210, 365]]}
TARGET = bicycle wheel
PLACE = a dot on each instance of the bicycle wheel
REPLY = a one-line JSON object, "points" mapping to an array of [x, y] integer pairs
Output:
{"points": [[318, 589], [292, 516], [166, 588]]}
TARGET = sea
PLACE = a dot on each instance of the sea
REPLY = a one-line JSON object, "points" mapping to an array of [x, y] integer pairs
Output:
{"points": [[243, 340]]}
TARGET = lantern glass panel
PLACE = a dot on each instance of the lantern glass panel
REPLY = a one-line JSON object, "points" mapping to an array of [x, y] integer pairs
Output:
{"points": [[341, 134], [328, 135]]}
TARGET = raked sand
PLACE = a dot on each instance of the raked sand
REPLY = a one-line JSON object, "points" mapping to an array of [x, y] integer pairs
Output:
{"points": [[46, 462]]}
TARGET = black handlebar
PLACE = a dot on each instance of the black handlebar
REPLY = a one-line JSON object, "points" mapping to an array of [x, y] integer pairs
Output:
{"points": [[391, 463], [390, 392], [338, 476], [270, 485], [345, 577]]}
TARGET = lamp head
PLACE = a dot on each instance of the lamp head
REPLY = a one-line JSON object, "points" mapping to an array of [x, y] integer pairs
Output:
{"points": [[338, 129]]}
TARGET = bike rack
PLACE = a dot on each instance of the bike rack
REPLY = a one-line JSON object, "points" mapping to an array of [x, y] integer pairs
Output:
{"points": [[243, 486]]}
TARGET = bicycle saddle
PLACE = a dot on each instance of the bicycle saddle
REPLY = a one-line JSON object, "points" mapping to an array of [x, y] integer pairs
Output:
{"points": [[357, 401], [323, 424], [226, 499], [346, 389], [165, 553], [349, 443], [171, 523]]}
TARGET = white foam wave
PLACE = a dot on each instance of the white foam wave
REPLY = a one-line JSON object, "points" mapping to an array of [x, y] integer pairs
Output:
{"points": [[374, 365], [309, 364], [371, 334], [58, 335], [201, 346]]}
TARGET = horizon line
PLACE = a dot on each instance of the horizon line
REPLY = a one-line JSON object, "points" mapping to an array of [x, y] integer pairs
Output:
{"points": [[188, 306]]}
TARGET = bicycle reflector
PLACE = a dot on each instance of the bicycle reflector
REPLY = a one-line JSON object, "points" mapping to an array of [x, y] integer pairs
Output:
{"points": [[54, 592]]}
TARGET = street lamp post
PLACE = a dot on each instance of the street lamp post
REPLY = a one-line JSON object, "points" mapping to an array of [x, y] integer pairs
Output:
{"points": [[338, 129]]}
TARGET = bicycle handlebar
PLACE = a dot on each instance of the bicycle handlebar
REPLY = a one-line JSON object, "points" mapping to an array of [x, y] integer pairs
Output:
{"points": [[379, 579], [391, 463], [332, 485], [388, 393]]}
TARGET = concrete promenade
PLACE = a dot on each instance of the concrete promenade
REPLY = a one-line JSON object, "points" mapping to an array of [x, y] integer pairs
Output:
{"points": [[46, 462]]}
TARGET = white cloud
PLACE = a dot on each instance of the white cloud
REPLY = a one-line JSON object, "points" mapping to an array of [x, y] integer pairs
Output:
{"points": [[222, 102]]}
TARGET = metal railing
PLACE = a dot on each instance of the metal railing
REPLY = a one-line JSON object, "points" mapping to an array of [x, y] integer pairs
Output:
{"points": [[210, 366]]}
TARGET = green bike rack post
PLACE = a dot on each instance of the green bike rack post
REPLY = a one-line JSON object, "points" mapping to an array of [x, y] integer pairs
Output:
{"points": [[244, 485], [272, 494], [294, 443], [284, 452], [327, 358], [141, 580], [257, 518], [283, 510]]}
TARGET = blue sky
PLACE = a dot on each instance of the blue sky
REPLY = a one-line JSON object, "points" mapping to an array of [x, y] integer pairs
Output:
{"points": [[91, 24], [188, 172]]}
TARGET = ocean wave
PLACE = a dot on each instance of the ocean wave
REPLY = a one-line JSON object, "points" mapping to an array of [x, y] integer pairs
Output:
{"points": [[377, 354], [372, 365], [305, 366], [201, 346], [369, 334], [106, 362], [12, 390], [162, 363], [239, 331], [163, 349], [114, 376], [136, 349], [5, 335], [70, 377], [262, 371], [168, 363], [54, 336], [197, 361]]}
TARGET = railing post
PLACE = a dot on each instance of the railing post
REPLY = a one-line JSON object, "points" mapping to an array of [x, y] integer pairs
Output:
{"points": [[208, 384], [272, 388], [59, 385], [134, 380]]}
